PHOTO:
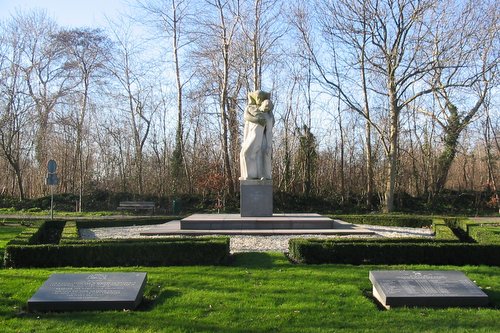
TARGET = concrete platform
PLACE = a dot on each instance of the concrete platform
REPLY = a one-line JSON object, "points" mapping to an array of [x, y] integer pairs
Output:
{"points": [[234, 224], [235, 221]]}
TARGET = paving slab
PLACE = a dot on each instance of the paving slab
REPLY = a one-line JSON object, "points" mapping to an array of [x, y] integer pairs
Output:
{"points": [[96, 291], [426, 288]]}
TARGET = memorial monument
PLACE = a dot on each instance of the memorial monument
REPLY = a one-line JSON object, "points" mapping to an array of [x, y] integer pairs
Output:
{"points": [[256, 186], [256, 189]]}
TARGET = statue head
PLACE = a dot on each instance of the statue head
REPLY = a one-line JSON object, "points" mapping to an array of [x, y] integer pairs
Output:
{"points": [[257, 97]]}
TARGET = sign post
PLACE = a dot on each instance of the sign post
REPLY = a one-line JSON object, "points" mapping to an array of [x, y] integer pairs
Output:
{"points": [[51, 181]]}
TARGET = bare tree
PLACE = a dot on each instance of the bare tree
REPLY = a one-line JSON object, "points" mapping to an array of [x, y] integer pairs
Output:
{"points": [[15, 106], [133, 78], [466, 65], [86, 53], [215, 55], [169, 17], [46, 78]]}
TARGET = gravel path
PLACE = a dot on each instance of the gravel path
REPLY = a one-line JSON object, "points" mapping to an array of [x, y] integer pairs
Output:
{"points": [[247, 243]]}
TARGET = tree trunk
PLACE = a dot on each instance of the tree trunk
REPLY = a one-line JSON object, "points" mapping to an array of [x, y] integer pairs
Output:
{"points": [[392, 155], [451, 135]]}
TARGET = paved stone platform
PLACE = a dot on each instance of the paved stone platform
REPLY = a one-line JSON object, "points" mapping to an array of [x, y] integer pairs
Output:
{"points": [[278, 224]]}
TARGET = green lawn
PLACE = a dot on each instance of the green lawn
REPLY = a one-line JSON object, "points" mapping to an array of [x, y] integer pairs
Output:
{"points": [[8, 232], [256, 293]]}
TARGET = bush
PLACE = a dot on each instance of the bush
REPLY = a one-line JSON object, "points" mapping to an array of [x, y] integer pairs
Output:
{"points": [[443, 231], [69, 232], [388, 220], [57, 243], [485, 235], [312, 251], [97, 223], [172, 251]]}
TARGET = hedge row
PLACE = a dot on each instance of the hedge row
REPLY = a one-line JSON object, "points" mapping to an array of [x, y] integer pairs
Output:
{"points": [[40, 233], [480, 232], [444, 249], [312, 251], [57, 243], [485, 235], [442, 231], [165, 252], [69, 233], [98, 223], [388, 220]]}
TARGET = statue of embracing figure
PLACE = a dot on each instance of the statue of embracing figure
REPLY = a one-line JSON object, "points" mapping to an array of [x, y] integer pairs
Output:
{"points": [[256, 150]]}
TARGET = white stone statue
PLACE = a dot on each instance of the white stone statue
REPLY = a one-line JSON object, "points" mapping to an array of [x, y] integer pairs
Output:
{"points": [[256, 150]]}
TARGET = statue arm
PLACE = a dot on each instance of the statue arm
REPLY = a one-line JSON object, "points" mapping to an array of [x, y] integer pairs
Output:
{"points": [[252, 115]]}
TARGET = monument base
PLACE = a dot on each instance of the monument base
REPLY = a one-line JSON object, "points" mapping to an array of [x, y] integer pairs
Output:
{"points": [[256, 198]]}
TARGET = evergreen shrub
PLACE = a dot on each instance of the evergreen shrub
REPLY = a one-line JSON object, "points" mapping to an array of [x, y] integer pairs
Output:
{"points": [[164, 252], [485, 235], [312, 251], [445, 249], [388, 220], [57, 243]]}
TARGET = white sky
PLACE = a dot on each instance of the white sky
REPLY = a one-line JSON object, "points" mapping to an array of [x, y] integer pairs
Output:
{"points": [[68, 13]]}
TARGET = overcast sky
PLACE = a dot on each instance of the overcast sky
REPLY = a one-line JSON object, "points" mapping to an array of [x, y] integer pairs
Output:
{"points": [[68, 13]]}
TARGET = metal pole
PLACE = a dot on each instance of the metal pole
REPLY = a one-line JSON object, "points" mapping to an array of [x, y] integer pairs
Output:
{"points": [[51, 202]]}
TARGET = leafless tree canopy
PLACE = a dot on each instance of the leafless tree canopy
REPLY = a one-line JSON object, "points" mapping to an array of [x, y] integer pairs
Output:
{"points": [[373, 98]]}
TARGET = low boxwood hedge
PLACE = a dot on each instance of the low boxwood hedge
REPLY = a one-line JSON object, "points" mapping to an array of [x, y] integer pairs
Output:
{"points": [[114, 222], [57, 243], [156, 252], [442, 231], [69, 233], [387, 220], [445, 249], [311, 251], [42, 232], [485, 235]]}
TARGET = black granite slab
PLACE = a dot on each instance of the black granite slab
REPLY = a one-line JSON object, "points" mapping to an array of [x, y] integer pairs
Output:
{"points": [[97, 291], [426, 288]]}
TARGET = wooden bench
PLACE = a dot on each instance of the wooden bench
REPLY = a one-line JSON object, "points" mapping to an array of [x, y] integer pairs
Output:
{"points": [[137, 205]]}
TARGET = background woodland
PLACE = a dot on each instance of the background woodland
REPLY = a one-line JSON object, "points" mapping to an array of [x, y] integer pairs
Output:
{"points": [[379, 104]]}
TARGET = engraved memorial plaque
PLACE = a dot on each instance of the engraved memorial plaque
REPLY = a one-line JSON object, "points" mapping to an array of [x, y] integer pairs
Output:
{"points": [[426, 288], [98, 291]]}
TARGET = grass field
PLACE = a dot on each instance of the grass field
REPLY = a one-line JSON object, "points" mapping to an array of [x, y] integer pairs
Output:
{"points": [[259, 292], [7, 233]]}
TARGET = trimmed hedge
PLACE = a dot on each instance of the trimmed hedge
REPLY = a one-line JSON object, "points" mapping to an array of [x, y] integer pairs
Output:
{"points": [[312, 251], [69, 233], [165, 252], [485, 235], [57, 243], [445, 249], [443, 231], [47, 232], [101, 223], [387, 220]]}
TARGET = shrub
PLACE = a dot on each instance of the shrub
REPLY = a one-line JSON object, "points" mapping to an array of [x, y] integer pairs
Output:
{"points": [[388, 220], [69, 232], [101, 223], [312, 251], [485, 235], [171, 251], [443, 231]]}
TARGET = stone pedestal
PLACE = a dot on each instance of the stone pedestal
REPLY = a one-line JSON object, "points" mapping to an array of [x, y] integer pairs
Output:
{"points": [[256, 198]]}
